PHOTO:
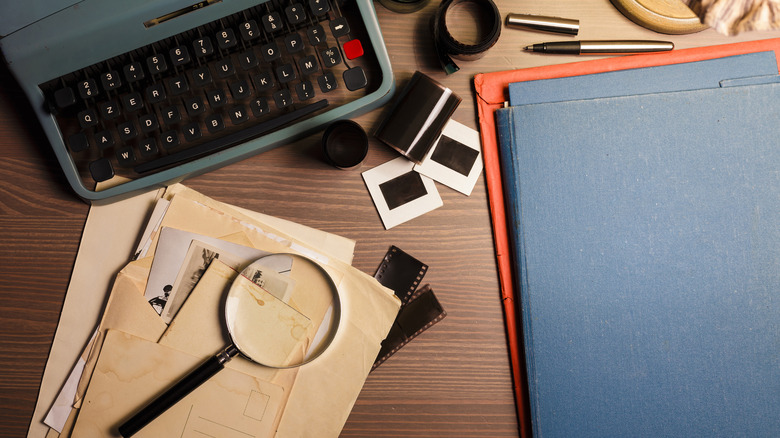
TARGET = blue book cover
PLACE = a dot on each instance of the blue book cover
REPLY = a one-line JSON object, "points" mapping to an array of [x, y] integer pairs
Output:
{"points": [[646, 231], [673, 77]]}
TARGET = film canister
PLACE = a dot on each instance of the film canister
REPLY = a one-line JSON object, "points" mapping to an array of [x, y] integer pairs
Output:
{"points": [[345, 144]]}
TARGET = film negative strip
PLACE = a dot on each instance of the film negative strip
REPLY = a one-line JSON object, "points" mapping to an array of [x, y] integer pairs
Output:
{"points": [[420, 314], [400, 272], [420, 309]]}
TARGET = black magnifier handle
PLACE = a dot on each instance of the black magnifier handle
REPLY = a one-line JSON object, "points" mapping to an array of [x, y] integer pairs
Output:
{"points": [[177, 392]]}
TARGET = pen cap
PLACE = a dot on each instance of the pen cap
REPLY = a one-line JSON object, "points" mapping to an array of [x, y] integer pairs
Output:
{"points": [[417, 117], [542, 23]]}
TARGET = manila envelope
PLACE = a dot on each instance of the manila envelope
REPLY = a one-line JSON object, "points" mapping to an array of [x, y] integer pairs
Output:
{"points": [[199, 327], [83, 303], [368, 311], [130, 371], [213, 215], [88, 290]]}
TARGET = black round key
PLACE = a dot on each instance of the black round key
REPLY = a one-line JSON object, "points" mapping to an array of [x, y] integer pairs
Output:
{"points": [[101, 170], [355, 78], [319, 7], [64, 97], [78, 142]]}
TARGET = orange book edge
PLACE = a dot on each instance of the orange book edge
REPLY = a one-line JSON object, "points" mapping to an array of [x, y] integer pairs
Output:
{"points": [[492, 92]]}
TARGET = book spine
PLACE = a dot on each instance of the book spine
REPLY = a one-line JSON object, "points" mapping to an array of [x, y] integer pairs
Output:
{"points": [[508, 141]]}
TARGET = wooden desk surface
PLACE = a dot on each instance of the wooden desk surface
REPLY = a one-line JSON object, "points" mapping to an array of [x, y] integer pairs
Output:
{"points": [[453, 380]]}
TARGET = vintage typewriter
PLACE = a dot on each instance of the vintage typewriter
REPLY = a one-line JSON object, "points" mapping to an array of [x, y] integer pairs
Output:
{"points": [[136, 95]]}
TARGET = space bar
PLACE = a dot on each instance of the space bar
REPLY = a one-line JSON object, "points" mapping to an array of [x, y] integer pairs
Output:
{"points": [[232, 139]]}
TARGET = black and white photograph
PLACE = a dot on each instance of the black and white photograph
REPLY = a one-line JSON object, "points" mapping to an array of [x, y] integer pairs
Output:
{"points": [[171, 253]]}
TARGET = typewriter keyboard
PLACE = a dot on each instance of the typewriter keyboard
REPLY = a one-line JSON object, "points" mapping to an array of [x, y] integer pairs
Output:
{"points": [[220, 84]]}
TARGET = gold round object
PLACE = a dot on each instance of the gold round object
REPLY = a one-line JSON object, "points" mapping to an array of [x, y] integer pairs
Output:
{"points": [[664, 16]]}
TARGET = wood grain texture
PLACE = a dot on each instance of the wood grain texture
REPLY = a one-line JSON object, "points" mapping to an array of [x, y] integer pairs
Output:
{"points": [[453, 380]]}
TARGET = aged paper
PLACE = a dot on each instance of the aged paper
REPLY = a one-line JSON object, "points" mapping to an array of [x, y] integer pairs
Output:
{"points": [[368, 311], [131, 371], [198, 329], [86, 295], [122, 222], [313, 243], [201, 320]]}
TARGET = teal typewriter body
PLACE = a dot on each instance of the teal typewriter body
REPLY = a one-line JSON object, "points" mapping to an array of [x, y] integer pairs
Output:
{"points": [[137, 95]]}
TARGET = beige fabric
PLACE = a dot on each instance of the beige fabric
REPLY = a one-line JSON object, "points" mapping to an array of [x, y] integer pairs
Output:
{"points": [[731, 17]]}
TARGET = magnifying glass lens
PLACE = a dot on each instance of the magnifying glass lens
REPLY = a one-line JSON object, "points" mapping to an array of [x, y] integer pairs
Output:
{"points": [[280, 311], [263, 327]]}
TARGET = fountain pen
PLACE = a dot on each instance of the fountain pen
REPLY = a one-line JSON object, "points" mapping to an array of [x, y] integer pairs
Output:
{"points": [[601, 47]]}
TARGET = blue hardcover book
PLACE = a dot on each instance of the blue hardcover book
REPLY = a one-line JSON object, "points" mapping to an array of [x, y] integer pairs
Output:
{"points": [[647, 252], [673, 77]]}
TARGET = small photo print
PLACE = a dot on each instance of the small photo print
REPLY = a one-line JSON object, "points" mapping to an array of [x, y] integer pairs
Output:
{"points": [[399, 193], [455, 160]]}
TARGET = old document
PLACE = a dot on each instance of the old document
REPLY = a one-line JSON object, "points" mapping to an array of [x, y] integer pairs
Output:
{"points": [[368, 312]]}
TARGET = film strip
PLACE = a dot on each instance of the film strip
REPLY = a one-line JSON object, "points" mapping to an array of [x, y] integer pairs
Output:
{"points": [[420, 309], [400, 272], [422, 312]]}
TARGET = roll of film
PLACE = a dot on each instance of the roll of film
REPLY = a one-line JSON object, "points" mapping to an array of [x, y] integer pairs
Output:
{"points": [[488, 26]]}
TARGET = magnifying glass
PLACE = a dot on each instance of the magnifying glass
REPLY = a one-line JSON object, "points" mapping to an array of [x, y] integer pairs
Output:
{"points": [[282, 311]]}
